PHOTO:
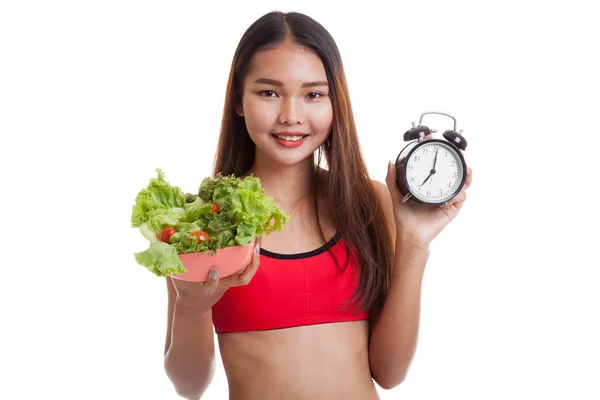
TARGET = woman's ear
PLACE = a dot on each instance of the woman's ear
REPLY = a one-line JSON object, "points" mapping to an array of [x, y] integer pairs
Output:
{"points": [[239, 111]]}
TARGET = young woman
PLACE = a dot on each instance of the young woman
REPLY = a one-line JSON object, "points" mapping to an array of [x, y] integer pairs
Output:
{"points": [[332, 302]]}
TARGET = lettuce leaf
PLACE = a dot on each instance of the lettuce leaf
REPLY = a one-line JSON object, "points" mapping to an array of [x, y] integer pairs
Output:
{"points": [[196, 209], [160, 219], [158, 196], [161, 259]]}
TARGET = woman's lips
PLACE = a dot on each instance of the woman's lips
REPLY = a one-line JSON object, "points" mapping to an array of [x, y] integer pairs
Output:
{"points": [[289, 143]]}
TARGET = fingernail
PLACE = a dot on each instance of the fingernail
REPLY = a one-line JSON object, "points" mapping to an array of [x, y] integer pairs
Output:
{"points": [[257, 249], [390, 165], [214, 274]]}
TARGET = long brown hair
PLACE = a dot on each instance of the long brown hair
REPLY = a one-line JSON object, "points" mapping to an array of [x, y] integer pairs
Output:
{"points": [[356, 211]]}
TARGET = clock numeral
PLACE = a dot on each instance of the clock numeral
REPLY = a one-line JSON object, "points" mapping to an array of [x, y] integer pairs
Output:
{"points": [[446, 156], [429, 193], [410, 167], [440, 192], [453, 163], [455, 174], [417, 158], [425, 151], [449, 184], [411, 179]]}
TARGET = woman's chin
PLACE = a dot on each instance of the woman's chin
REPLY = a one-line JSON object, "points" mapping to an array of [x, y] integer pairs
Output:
{"points": [[288, 159]]}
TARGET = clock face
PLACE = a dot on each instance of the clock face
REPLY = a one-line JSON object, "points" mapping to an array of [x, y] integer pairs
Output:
{"points": [[434, 172]]}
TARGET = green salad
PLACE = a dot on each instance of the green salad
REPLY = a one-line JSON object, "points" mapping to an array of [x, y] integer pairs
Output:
{"points": [[227, 211]]}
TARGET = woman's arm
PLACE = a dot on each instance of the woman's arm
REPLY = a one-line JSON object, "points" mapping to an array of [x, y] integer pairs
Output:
{"points": [[394, 334], [394, 330], [189, 347]]}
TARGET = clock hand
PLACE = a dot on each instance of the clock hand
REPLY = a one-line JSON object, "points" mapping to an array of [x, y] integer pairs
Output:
{"points": [[429, 176], [432, 169]]}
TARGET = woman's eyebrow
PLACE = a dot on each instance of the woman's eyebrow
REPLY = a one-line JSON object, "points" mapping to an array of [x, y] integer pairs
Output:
{"points": [[278, 83]]}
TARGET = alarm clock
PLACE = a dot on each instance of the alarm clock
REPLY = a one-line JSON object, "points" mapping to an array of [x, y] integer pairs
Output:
{"points": [[431, 170]]}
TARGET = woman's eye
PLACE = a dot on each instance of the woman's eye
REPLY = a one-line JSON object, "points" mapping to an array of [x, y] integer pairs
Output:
{"points": [[314, 95], [267, 93]]}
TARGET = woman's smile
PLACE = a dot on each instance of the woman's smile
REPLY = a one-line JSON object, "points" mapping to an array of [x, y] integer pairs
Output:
{"points": [[290, 139]]}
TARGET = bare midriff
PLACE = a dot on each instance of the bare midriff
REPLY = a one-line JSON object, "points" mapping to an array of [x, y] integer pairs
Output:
{"points": [[324, 361]]}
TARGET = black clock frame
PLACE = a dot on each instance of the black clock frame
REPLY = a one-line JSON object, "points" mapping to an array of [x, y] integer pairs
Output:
{"points": [[400, 170]]}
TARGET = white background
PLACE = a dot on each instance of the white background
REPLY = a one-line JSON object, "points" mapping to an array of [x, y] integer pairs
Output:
{"points": [[95, 95]]}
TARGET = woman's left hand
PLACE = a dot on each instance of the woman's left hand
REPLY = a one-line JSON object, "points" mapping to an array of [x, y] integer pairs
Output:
{"points": [[420, 223]]}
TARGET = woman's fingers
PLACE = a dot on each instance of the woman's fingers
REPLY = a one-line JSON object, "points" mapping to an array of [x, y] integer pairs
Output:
{"points": [[469, 178], [390, 181], [459, 200], [210, 285], [246, 275], [216, 286]]}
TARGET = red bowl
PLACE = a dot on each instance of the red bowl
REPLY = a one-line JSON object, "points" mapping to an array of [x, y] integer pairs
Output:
{"points": [[228, 261]]}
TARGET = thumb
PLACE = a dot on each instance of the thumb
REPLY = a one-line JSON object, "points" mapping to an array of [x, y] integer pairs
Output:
{"points": [[390, 180], [210, 285]]}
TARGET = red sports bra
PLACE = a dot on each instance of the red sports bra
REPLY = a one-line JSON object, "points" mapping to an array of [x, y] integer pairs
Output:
{"points": [[291, 290]]}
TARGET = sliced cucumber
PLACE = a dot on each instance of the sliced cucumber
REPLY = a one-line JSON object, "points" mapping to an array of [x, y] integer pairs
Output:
{"points": [[148, 233]]}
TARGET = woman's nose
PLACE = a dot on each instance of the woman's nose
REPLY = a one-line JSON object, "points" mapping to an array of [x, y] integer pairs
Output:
{"points": [[290, 112]]}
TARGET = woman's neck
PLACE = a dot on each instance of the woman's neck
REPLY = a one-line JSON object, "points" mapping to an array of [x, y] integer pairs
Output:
{"points": [[288, 185]]}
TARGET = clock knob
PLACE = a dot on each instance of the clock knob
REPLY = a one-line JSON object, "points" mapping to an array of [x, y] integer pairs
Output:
{"points": [[416, 133], [456, 139]]}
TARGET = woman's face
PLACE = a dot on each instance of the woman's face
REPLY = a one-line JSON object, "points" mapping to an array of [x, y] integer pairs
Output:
{"points": [[286, 96]]}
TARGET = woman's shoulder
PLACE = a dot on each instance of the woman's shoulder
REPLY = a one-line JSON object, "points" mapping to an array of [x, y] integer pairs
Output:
{"points": [[381, 189], [323, 179]]}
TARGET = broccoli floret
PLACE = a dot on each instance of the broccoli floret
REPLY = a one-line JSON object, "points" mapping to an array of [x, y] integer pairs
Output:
{"points": [[190, 198], [209, 185], [207, 188]]}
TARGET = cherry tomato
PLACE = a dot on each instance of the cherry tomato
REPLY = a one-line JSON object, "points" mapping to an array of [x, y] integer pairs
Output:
{"points": [[215, 207], [201, 235], [166, 235]]}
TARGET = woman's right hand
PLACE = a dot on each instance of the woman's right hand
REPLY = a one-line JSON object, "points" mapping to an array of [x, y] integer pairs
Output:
{"points": [[206, 294]]}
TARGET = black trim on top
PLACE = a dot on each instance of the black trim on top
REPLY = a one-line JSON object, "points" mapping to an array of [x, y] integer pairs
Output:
{"points": [[297, 256]]}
